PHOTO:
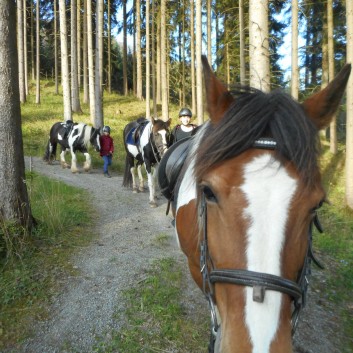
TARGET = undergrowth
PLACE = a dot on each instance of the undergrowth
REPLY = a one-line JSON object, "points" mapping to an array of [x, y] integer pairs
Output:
{"points": [[337, 241], [35, 263]]}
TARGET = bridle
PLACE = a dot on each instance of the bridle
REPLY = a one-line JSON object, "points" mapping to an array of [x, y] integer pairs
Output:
{"points": [[260, 282], [156, 149]]}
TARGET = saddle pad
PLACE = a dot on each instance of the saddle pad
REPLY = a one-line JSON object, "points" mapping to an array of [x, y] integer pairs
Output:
{"points": [[133, 136], [170, 167]]}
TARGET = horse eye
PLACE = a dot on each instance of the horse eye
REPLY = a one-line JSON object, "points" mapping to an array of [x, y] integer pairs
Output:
{"points": [[209, 195], [319, 205]]}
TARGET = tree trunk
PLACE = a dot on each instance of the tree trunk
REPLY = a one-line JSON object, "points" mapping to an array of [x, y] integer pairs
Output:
{"points": [[56, 71], [65, 62], [20, 51], [199, 102], [192, 52], [154, 68], [138, 51], [158, 59], [258, 45], [32, 44], [25, 47], [109, 69], [331, 71], [164, 83], [85, 55], [125, 87], [37, 54], [78, 36], [148, 73], [295, 69], [98, 119], [209, 38], [15, 206], [92, 95], [242, 42], [75, 94], [349, 132]]}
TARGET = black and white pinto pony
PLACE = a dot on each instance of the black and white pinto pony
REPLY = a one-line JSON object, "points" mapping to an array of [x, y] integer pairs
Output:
{"points": [[145, 142], [72, 137]]}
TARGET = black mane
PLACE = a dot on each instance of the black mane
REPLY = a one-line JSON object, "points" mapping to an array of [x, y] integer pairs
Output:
{"points": [[255, 114]]}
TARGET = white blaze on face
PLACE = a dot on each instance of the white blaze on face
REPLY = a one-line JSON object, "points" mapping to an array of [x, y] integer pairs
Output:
{"points": [[268, 190], [163, 133]]}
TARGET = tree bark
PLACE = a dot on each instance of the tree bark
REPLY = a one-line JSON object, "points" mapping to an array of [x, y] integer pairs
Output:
{"points": [[148, 73], [242, 42], [92, 99], [65, 62], [75, 94], [109, 54], [125, 86], [199, 102], [349, 132], [138, 51], [85, 55], [209, 38], [295, 69], [15, 205], [164, 83], [37, 54], [98, 118], [192, 52], [331, 70], [56, 71], [20, 51], [258, 45], [25, 58]]}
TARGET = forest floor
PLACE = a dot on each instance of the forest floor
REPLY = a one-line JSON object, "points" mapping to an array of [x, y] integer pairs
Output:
{"points": [[118, 258]]}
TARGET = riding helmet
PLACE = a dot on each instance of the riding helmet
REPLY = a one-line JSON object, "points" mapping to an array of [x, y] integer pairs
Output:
{"points": [[185, 111], [106, 129]]}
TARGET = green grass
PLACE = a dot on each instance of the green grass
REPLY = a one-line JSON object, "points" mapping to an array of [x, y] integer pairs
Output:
{"points": [[35, 263], [117, 110], [337, 240], [155, 319]]}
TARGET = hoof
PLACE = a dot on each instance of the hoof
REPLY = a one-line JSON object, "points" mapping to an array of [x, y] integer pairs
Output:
{"points": [[141, 189], [134, 190], [153, 204]]}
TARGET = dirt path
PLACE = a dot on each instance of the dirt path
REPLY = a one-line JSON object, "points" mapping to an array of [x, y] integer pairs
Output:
{"points": [[116, 261]]}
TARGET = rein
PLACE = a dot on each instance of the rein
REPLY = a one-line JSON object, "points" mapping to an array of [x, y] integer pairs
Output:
{"points": [[260, 282]]}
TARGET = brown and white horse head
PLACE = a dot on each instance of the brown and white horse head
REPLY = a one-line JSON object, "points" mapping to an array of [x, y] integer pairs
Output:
{"points": [[249, 192], [161, 135]]}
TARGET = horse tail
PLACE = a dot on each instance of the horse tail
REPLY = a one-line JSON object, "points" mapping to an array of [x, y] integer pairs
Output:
{"points": [[129, 163], [46, 156]]}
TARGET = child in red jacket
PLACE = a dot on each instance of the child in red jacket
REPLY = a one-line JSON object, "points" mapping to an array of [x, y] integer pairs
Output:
{"points": [[107, 149]]}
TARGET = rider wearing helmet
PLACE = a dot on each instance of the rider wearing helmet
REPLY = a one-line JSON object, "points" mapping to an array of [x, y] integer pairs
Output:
{"points": [[107, 149], [185, 128]]}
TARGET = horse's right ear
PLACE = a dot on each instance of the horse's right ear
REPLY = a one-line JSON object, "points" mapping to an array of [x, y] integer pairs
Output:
{"points": [[218, 97], [321, 106]]}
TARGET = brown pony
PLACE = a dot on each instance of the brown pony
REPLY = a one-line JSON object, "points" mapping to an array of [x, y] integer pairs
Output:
{"points": [[244, 206]]}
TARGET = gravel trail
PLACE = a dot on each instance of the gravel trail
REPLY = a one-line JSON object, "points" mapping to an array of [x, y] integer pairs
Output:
{"points": [[124, 248]]}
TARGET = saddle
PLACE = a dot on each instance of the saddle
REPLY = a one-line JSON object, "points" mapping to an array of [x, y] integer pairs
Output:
{"points": [[170, 167], [68, 125], [134, 135]]}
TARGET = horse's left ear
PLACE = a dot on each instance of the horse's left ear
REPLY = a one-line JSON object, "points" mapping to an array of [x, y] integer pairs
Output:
{"points": [[322, 106], [169, 121], [218, 97]]}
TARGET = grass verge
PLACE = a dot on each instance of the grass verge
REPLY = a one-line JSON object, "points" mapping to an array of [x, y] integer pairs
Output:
{"points": [[32, 269], [337, 242], [155, 318]]}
